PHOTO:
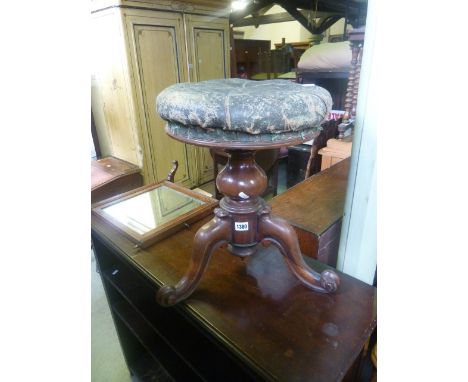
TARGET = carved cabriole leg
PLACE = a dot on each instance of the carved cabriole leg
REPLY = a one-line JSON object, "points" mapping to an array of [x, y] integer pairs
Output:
{"points": [[282, 234], [207, 239]]}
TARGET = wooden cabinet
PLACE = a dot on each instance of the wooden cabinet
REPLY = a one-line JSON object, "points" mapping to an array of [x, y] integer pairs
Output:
{"points": [[249, 320], [139, 51], [209, 55]]}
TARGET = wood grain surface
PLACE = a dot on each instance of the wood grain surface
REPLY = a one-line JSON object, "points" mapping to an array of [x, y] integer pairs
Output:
{"points": [[256, 310]]}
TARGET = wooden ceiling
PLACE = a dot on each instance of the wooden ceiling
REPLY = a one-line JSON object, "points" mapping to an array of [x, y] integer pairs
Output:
{"points": [[314, 15]]}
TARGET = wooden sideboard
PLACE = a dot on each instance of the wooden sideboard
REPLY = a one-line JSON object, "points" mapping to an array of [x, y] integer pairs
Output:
{"points": [[315, 209], [249, 320]]}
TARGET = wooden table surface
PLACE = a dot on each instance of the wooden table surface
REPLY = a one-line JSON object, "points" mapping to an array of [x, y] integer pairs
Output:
{"points": [[317, 202], [112, 176], [257, 309]]}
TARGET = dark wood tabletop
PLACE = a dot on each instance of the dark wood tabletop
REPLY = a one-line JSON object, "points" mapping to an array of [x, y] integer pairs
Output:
{"points": [[257, 310], [317, 202], [314, 207]]}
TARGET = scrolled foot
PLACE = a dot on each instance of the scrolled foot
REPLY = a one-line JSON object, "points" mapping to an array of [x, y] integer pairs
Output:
{"points": [[166, 296], [329, 281], [281, 233], [207, 239]]}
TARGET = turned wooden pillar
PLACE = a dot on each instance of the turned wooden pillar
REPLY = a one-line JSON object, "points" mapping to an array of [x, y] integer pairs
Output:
{"points": [[356, 40], [242, 181]]}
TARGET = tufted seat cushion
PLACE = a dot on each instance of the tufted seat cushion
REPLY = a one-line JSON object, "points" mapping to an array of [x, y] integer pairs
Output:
{"points": [[244, 106]]}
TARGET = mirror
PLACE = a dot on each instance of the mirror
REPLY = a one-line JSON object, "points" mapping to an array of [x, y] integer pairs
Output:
{"points": [[151, 213], [147, 211]]}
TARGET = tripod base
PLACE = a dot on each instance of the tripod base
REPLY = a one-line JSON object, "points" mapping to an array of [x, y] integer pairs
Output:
{"points": [[243, 221], [271, 229]]}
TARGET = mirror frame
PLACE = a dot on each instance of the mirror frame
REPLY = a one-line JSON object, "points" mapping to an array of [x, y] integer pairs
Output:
{"points": [[164, 230]]}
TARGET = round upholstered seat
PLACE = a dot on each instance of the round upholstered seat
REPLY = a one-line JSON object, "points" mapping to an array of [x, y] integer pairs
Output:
{"points": [[243, 111]]}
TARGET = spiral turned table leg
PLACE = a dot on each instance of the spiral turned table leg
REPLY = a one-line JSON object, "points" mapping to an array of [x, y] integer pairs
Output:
{"points": [[207, 239], [281, 233]]}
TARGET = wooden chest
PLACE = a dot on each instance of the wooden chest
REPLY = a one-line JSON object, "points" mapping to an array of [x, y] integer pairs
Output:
{"points": [[315, 208]]}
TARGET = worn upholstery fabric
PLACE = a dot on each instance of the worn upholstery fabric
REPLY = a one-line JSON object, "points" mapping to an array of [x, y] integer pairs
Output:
{"points": [[244, 106], [213, 136]]}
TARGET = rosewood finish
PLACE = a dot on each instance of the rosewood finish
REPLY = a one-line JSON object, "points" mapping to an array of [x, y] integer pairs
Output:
{"points": [[242, 222], [242, 117], [266, 159]]}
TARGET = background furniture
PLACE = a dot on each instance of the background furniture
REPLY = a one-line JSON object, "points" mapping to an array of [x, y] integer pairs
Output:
{"points": [[343, 87], [248, 55], [298, 156], [304, 160], [278, 63], [112, 176], [342, 84], [249, 319], [334, 82], [257, 61], [140, 48], [266, 159], [95, 139], [314, 208], [356, 39], [300, 46], [335, 151]]}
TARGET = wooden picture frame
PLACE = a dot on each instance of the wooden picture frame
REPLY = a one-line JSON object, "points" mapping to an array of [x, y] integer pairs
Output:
{"points": [[155, 201]]}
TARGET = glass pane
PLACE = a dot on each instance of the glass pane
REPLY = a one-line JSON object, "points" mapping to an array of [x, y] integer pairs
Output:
{"points": [[149, 210]]}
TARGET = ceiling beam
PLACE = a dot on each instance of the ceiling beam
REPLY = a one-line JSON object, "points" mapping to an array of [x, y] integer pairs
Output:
{"points": [[326, 22], [264, 10], [277, 18], [355, 11], [329, 5], [299, 17]]}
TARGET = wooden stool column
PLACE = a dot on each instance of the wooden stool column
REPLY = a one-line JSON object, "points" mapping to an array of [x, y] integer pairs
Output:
{"points": [[242, 182]]}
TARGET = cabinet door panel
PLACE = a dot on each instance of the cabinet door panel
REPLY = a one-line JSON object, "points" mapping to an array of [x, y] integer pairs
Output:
{"points": [[158, 48], [109, 93], [209, 53]]}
